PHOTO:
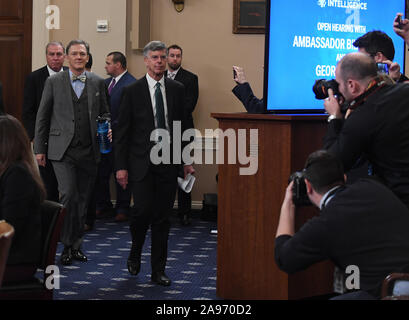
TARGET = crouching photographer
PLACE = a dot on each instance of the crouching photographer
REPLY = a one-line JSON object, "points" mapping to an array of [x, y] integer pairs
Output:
{"points": [[363, 224]]}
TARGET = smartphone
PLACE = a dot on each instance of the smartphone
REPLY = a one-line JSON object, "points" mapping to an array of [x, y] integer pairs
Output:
{"points": [[383, 67], [399, 20], [234, 74]]}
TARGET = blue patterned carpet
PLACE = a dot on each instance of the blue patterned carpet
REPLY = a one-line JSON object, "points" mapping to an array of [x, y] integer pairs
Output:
{"points": [[191, 265]]}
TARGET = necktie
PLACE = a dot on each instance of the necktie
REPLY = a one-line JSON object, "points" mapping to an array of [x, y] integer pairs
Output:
{"points": [[160, 109], [111, 86], [171, 75], [81, 78]]}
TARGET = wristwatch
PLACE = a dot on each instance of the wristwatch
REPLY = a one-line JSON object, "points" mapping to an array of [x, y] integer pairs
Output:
{"points": [[331, 117]]}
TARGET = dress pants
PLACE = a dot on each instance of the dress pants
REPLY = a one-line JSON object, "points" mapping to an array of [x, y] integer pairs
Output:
{"points": [[102, 192], [184, 203], [154, 197], [75, 182], [50, 181]]}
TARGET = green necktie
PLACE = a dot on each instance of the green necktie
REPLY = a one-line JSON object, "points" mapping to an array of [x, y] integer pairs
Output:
{"points": [[81, 78], [160, 109]]}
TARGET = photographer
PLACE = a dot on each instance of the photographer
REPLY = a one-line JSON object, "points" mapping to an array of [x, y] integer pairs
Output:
{"points": [[378, 45], [376, 123], [363, 224], [244, 92]]}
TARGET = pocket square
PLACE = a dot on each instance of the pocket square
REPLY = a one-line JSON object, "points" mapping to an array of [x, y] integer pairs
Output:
{"points": [[97, 94]]}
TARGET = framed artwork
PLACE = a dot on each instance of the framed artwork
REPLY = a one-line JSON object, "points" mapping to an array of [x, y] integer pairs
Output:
{"points": [[249, 16]]}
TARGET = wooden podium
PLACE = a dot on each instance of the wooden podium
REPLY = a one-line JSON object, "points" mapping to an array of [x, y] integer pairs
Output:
{"points": [[249, 209]]}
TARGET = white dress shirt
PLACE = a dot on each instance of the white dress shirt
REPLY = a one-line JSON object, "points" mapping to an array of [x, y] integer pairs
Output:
{"points": [[151, 84]]}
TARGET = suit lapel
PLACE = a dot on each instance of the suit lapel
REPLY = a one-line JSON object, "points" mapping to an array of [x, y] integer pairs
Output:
{"points": [[169, 102], [91, 91], [147, 98]]}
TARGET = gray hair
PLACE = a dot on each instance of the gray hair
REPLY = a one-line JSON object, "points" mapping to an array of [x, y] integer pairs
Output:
{"points": [[54, 43], [153, 46]]}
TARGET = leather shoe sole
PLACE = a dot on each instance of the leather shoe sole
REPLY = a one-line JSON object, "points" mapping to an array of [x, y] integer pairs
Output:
{"points": [[133, 267], [161, 279]]}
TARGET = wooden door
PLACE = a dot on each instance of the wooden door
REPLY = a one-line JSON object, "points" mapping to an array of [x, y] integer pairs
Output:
{"points": [[15, 51]]}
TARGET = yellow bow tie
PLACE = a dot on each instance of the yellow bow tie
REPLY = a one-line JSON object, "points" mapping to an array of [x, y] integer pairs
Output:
{"points": [[81, 78]]}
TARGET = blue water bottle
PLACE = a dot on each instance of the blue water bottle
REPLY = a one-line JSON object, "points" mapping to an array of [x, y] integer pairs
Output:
{"points": [[103, 126]]}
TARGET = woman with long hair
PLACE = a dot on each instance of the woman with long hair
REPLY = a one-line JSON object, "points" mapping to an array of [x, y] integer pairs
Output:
{"points": [[21, 194]]}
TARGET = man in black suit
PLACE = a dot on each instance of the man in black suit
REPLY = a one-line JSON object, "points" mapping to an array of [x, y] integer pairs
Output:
{"points": [[33, 91], [150, 109], [190, 81], [361, 227]]}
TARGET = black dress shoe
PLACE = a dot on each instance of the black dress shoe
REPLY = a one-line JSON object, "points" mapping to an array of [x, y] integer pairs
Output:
{"points": [[161, 278], [134, 266], [66, 256], [79, 255]]}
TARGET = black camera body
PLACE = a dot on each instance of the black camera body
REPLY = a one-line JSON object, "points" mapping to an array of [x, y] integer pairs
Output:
{"points": [[321, 86], [300, 197]]}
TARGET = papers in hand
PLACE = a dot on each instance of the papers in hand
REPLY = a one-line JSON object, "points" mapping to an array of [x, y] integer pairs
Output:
{"points": [[186, 184]]}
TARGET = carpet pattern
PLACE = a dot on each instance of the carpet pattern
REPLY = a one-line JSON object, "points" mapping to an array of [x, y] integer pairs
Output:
{"points": [[191, 265]]}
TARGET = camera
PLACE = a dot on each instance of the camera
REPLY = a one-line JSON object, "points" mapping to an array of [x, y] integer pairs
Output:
{"points": [[300, 197], [321, 86]]}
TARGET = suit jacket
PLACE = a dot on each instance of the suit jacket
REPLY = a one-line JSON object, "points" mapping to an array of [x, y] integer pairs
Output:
{"points": [[191, 83], [1, 99], [20, 206], [116, 93], [244, 93], [55, 118], [33, 90], [136, 122]]}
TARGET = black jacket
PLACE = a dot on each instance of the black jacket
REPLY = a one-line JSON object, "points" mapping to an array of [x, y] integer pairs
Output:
{"points": [[379, 131], [136, 123], [364, 225], [20, 207]]}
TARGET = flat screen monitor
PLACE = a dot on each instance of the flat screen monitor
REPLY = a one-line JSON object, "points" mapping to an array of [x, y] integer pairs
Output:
{"points": [[306, 38]]}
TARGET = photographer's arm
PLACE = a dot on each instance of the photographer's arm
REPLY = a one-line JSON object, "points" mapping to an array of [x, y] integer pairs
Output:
{"points": [[286, 222], [404, 30]]}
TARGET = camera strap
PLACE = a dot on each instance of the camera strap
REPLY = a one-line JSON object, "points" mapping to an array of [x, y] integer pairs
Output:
{"points": [[329, 195], [373, 87]]}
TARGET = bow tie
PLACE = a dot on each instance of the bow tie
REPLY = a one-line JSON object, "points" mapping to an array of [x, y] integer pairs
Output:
{"points": [[81, 78]]}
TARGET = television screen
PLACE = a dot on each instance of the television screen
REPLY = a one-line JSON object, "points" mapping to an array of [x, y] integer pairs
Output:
{"points": [[306, 39]]}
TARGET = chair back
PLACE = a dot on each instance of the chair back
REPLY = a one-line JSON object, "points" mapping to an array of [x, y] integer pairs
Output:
{"points": [[396, 287], [6, 235], [52, 217]]}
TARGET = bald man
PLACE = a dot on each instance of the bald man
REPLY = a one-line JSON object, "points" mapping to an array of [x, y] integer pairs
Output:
{"points": [[376, 124]]}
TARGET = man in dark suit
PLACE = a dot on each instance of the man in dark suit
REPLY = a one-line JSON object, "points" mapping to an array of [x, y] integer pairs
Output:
{"points": [[115, 66], [150, 109], [33, 91], [190, 81], [66, 130]]}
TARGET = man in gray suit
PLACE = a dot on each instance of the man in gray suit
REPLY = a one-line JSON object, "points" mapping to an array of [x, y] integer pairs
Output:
{"points": [[66, 130]]}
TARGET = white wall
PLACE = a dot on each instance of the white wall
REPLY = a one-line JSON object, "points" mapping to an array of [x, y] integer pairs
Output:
{"points": [[102, 43]]}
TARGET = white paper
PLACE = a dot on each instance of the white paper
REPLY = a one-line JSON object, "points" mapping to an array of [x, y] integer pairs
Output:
{"points": [[186, 184]]}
